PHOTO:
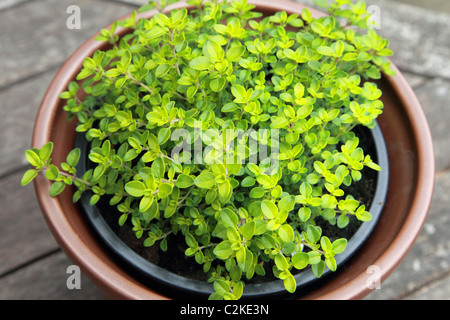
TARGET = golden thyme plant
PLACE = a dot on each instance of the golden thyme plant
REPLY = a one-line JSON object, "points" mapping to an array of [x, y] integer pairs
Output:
{"points": [[179, 111]]}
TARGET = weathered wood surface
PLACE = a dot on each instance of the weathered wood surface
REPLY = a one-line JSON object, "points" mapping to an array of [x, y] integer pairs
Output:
{"points": [[34, 42]]}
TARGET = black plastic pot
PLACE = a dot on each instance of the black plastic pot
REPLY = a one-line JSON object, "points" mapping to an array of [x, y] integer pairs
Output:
{"points": [[176, 286]]}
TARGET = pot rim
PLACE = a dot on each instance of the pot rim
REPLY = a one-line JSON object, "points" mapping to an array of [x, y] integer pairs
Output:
{"points": [[106, 277]]}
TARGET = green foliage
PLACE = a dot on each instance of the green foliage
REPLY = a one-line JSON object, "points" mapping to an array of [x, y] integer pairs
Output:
{"points": [[199, 71]]}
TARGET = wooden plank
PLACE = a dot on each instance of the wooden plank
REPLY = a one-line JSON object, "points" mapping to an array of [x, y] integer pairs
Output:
{"points": [[19, 104], [436, 5], [438, 290], [35, 35], [24, 234], [415, 80], [433, 97], [35, 62], [429, 258], [5, 4], [47, 280]]}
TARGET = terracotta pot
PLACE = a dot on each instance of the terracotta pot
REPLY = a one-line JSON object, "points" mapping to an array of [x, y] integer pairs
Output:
{"points": [[411, 181]]}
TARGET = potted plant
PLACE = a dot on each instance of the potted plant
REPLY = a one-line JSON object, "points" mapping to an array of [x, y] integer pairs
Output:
{"points": [[233, 132]]}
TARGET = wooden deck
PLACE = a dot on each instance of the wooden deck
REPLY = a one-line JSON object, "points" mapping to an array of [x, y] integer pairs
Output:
{"points": [[35, 41]]}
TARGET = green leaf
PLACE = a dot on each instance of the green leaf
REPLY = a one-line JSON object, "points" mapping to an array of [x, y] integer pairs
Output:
{"points": [[241, 257], [28, 176], [327, 51], [257, 193], [342, 221], [259, 270], [89, 63], [150, 241], [113, 73], [200, 63], [286, 203], [130, 155], [229, 218], [73, 157], [135, 188], [165, 189], [318, 269], [265, 181], [233, 236], [213, 50], [313, 233], [220, 28], [217, 85], [225, 192], [314, 65], [260, 226], [205, 180], [325, 243], [235, 53], [163, 135], [230, 107], [290, 283], [85, 72], [304, 213], [339, 245], [350, 56], [56, 188], [238, 289], [362, 214], [373, 166], [248, 230], [94, 199], [331, 263], [46, 151], [190, 251], [305, 189], [162, 70], [158, 168], [221, 286], [239, 92], [286, 233], [314, 257], [338, 48], [145, 203], [123, 219], [248, 182], [269, 209], [184, 181], [281, 262], [223, 250], [300, 260], [125, 59], [33, 158]]}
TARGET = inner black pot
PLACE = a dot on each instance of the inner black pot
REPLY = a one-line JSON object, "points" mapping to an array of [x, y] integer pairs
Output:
{"points": [[105, 225]]}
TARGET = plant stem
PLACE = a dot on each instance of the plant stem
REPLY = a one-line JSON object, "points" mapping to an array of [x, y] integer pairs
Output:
{"points": [[174, 53], [139, 83], [311, 247], [73, 177], [185, 196]]}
